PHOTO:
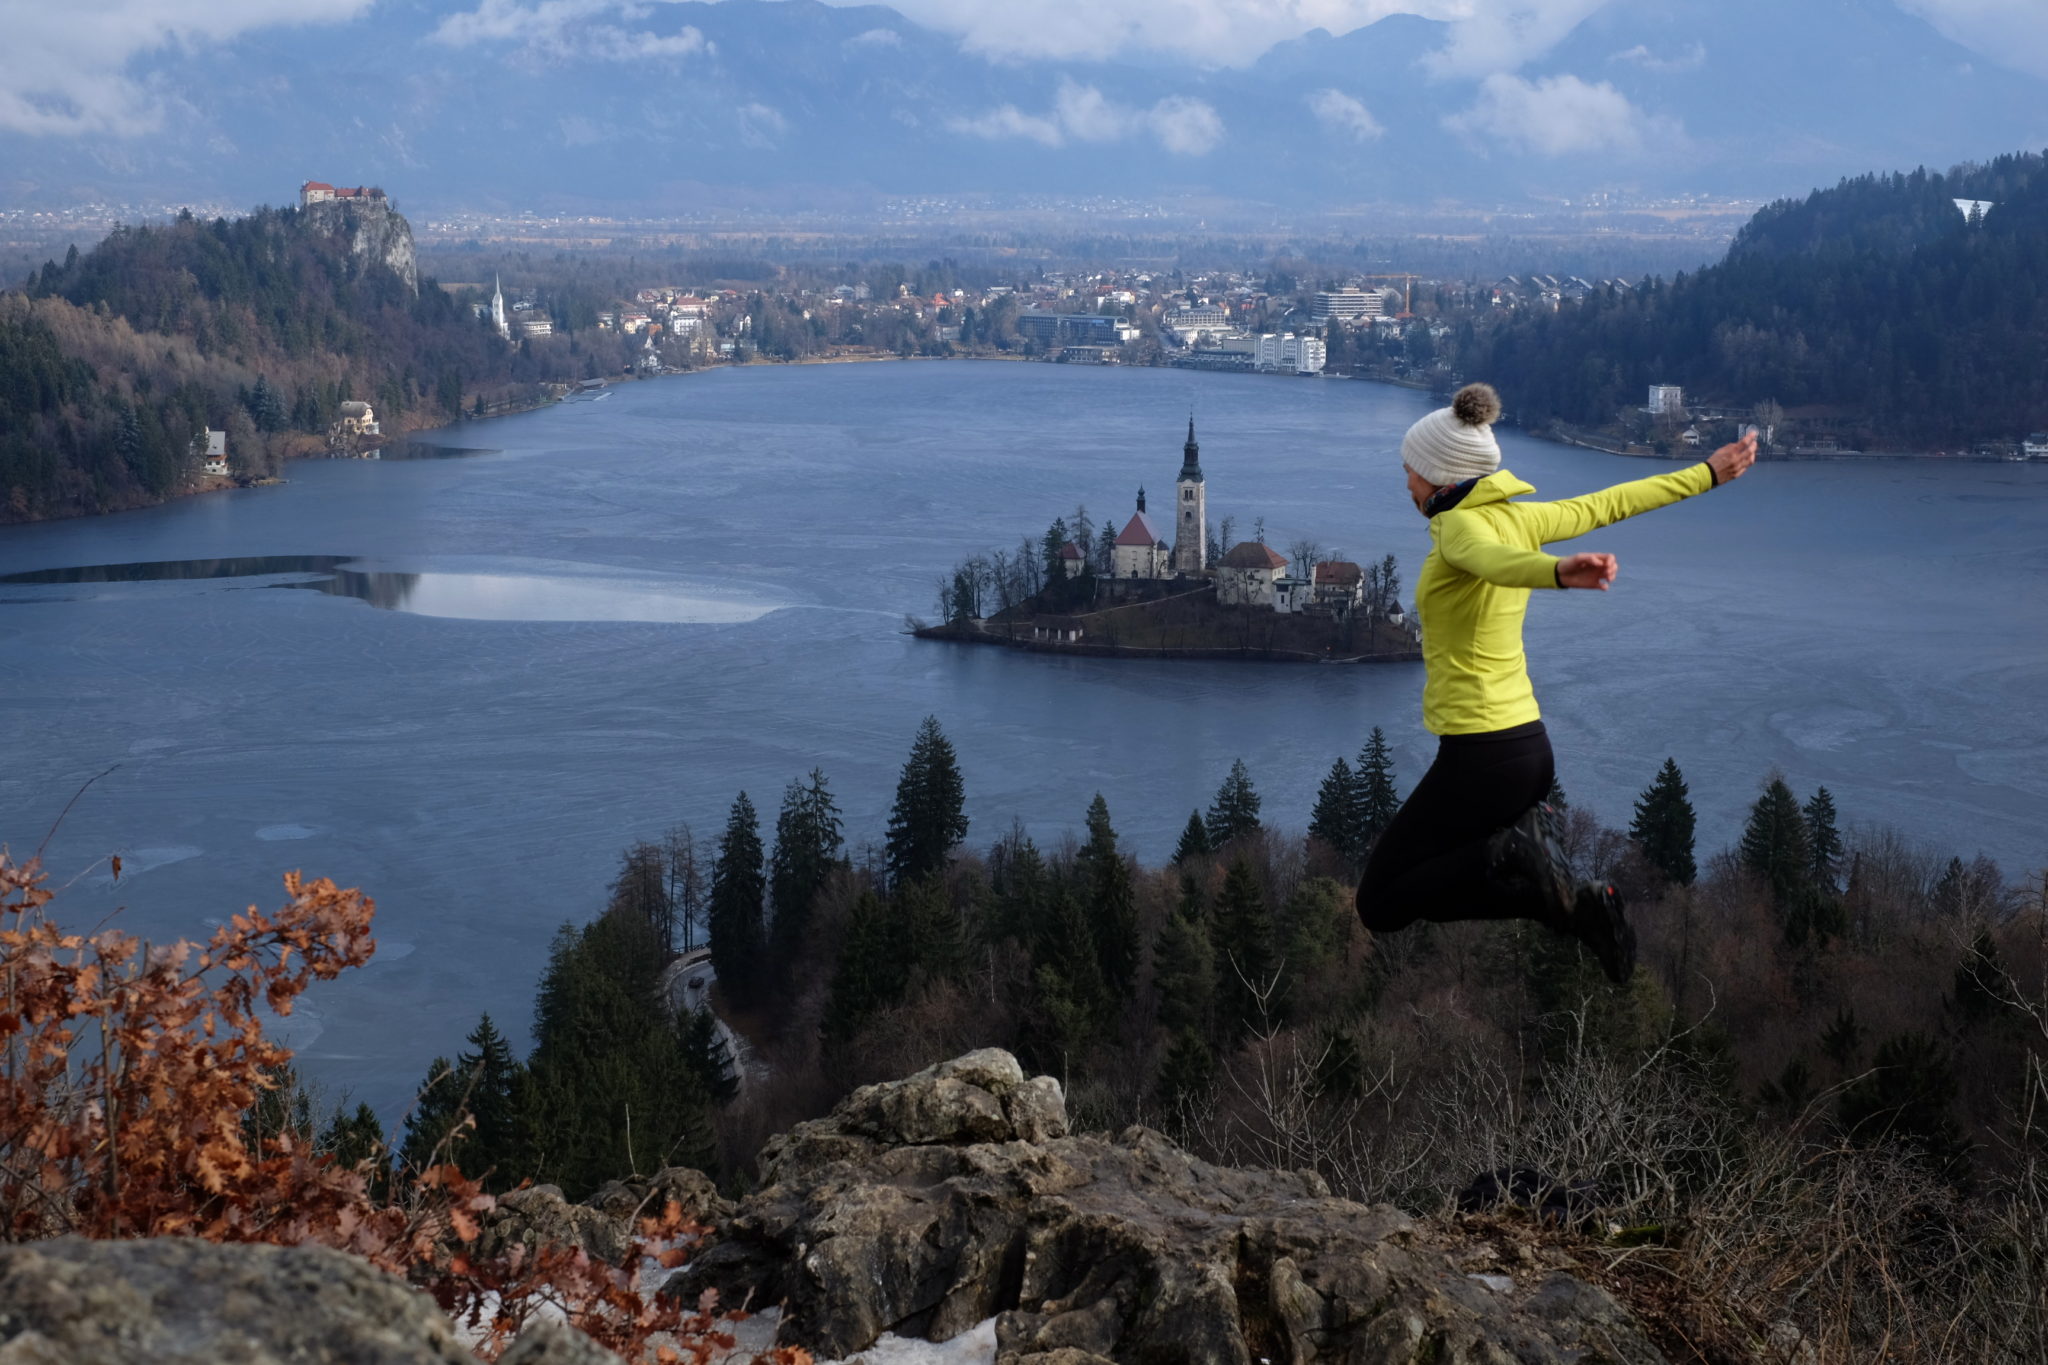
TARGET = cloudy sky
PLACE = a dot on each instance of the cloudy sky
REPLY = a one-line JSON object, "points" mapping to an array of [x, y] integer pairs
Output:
{"points": [[68, 69]]}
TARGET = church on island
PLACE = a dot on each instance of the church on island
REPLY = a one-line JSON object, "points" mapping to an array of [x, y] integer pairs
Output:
{"points": [[1248, 574]]}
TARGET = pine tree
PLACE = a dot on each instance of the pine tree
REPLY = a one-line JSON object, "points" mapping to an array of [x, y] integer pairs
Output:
{"points": [[1184, 973], [869, 975], [1823, 840], [738, 889], [490, 1075], [1069, 1000], [705, 1053], [1194, 840], [1664, 823], [1249, 992], [356, 1140], [807, 851], [1840, 1040], [1112, 902], [1186, 1072], [1018, 877], [929, 818], [1334, 821], [610, 1090], [439, 1109], [1775, 847], [1234, 814], [935, 940], [1377, 799]]}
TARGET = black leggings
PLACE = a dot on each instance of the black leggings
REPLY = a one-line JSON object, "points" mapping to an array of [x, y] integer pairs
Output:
{"points": [[1430, 862]]}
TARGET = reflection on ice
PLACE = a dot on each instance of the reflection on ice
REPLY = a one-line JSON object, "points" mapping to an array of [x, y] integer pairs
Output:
{"points": [[509, 596]]}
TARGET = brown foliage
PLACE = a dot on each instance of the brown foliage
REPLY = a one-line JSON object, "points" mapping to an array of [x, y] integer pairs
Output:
{"points": [[126, 1068]]}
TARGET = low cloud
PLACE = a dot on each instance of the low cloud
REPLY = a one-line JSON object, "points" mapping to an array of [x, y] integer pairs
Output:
{"points": [[876, 37], [762, 125], [1559, 116], [1491, 36], [1182, 125], [2013, 33], [1345, 115], [65, 69], [1690, 59], [554, 30]]}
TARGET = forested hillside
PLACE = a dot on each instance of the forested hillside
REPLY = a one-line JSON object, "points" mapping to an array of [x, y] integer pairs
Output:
{"points": [[1880, 298], [112, 361]]}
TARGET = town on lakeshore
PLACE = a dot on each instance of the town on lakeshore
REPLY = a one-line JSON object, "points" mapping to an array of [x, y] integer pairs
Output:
{"points": [[1132, 593]]}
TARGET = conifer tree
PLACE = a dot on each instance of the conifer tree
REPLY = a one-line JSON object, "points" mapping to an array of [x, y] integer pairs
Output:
{"points": [[1334, 821], [1824, 840], [738, 890], [1187, 1070], [1234, 814], [492, 1076], [1184, 974], [934, 939], [355, 1138], [929, 818], [1069, 999], [609, 1090], [439, 1109], [807, 851], [706, 1055], [1194, 840], [1775, 847], [1377, 798], [1112, 902], [869, 974], [1664, 823], [1018, 877], [1249, 992]]}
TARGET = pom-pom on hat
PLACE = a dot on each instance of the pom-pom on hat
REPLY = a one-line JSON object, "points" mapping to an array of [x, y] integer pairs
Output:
{"points": [[1456, 443]]}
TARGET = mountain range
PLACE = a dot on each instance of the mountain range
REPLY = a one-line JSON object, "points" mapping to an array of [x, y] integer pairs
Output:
{"points": [[604, 105]]}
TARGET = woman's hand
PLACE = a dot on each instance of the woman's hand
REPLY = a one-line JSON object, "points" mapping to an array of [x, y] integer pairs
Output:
{"points": [[1587, 571], [1731, 460]]}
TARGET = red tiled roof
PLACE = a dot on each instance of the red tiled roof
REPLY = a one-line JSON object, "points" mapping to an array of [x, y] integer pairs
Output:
{"points": [[1252, 555], [1071, 551], [1140, 531], [315, 185], [1339, 573]]}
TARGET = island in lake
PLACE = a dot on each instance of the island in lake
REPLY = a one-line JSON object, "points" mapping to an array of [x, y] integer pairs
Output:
{"points": [[1084, 589]]}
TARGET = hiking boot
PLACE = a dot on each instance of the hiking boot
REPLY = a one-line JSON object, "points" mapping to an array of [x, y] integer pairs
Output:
{"points": [[1527, 856], [1600, 921]]}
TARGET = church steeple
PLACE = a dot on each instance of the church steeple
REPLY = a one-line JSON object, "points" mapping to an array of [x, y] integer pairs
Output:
{"points": [[1141, 499], [1191, 511], [1191, 456]]}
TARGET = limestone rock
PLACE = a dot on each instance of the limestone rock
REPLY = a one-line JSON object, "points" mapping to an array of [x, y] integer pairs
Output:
{"points": [[179, 1301], [692, 1191], [539, 1216], [925, 1206]]}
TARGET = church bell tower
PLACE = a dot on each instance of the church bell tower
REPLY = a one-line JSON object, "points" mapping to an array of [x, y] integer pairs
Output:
{"points": [[1191, 514]]}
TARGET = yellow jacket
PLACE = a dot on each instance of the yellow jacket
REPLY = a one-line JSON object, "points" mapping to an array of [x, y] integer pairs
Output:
{"points": [[1474, 589]]}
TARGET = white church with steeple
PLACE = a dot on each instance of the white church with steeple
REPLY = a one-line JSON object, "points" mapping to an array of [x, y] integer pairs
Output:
{"points": [[498, 318]]}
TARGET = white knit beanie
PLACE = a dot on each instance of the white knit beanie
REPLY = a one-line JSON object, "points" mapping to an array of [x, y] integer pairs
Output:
{"points": [[1456, 443]]}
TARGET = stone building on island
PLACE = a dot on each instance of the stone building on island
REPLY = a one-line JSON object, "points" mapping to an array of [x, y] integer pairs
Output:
{"points": [[1248, 575]]}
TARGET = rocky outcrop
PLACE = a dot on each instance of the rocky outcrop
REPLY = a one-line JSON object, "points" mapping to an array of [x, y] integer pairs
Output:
{"points": [[181, 1301], [376, 233], [603, 1224], [925, 1206]]}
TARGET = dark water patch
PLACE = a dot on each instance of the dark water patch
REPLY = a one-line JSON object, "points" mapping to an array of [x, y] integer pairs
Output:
{"points": [[166, 570], [429, 450]]}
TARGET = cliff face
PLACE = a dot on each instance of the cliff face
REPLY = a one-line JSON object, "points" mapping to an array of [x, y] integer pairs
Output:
{"points": [[376, 233]]}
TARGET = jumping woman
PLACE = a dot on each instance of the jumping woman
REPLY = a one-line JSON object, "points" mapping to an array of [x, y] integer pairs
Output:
{"points": [[1476, 838]]}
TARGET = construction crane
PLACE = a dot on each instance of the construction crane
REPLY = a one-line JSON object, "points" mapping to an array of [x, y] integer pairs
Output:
{"points": [[1407, 292]]}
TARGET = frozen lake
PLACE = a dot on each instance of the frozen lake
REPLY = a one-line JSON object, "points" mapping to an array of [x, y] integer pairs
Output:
{"points": [[499, 670]]}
